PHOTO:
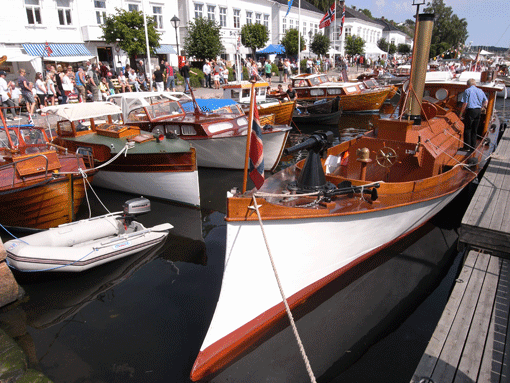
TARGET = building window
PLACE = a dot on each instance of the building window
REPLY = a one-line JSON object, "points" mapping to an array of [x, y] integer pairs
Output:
{"points": [[132, 7], [249, 16], [33, 11], [316, 29], [258, 18], [237, 18], [284, 25], [291, 24], [100, 6], [304, 28], [266, 21], [223, 17], [199, 10], [210, 12], [157, 14], [348, 31], [64, 12]]}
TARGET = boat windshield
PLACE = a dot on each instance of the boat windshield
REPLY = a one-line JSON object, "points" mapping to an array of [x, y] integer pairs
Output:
{"points": [[4, 141], [315, 80], [164, 109], [33, 136]]}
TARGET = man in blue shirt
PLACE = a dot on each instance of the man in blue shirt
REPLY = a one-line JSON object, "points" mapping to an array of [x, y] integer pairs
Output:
{"points": [[473, 100]]}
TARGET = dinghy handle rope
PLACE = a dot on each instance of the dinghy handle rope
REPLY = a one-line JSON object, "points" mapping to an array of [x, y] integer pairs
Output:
{"points": [[51, 268], [289, 313], [12, 235]]}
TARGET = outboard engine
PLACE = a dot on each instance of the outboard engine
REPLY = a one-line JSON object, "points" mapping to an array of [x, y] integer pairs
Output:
{"points": [[134, 207], [312, 177]]}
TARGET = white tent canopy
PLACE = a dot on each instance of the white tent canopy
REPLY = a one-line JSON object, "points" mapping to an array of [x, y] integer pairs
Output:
{"points": [[372, 50], [485, 53], [16, 55]]}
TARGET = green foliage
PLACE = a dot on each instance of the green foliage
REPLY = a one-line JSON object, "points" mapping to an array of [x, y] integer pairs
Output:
{"points": [[382, 44], [449, 31], [323, 5], [203, 39], [254, 36], [403, 49], [290, 42], [320, 44], [366, 12], [393, 48], [127, 30], [196, 80], [354, 45]]}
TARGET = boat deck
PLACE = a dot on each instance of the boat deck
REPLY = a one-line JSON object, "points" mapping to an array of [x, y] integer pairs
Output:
{"points": [[471, 342], [485, 224]]}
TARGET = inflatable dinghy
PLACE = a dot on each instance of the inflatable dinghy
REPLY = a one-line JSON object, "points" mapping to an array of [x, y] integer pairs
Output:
{"points": [[81, 245]]}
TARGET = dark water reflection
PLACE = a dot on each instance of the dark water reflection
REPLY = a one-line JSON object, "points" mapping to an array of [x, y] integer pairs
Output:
{"points": [[143, 318]]}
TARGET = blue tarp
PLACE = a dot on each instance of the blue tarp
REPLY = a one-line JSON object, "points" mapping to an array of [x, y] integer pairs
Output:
{"points": [[273, 49], [208, 104]]}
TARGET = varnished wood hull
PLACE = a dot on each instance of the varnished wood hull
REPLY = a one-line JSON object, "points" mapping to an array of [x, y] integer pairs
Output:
{"points": [[282, 112], [43, 205]]}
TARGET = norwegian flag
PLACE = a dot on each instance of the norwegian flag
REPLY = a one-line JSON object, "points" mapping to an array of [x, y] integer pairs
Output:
{"points": [[48, 49], [342, 23], [329, 16], [256, 168]]}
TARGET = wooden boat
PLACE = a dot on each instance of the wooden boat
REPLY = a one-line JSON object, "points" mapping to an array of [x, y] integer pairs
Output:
{"points": [[81, 245], [266, 103], [40, 184], [354, 96], [322, 112], [322, 217], [217, 132], [130, 160]]}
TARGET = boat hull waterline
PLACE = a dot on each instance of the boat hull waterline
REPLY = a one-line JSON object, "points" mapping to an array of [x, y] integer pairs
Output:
{"points": [[233, 331]]}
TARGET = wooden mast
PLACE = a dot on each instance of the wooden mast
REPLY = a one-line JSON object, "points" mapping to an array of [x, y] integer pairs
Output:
{"points": [[248, 135]]}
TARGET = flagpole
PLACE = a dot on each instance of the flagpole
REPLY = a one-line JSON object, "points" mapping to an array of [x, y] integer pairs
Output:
{"points": [[148, 66], [248, 135], [299, 39], [334, 31]]}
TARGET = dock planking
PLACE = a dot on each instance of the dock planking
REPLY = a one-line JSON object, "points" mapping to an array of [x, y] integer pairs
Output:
{"points": [[485, 224], [471, 341]]}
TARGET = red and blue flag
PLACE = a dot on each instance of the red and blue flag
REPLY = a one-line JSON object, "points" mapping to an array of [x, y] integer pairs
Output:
{"points": [[329, 16], [256, 168]]}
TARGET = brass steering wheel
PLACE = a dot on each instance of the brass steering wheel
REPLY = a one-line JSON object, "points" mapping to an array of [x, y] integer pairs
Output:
{"points": [[386, 157]]}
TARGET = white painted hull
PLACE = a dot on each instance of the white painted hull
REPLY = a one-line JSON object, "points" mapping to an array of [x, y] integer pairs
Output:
{"points": [[81, 245], [304, 251], [173, 186], [229, 152]]}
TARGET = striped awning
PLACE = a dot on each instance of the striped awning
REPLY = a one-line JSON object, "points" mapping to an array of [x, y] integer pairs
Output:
{"points": [[57, 50], [165, 49]]}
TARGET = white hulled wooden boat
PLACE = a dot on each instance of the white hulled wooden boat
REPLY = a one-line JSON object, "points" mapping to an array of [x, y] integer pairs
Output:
{"points": [[157, 166], [336, 209], [217, 133], [81, 245]]}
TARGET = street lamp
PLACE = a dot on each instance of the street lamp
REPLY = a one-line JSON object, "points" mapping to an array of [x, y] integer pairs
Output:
{"points": [[175, 22]]}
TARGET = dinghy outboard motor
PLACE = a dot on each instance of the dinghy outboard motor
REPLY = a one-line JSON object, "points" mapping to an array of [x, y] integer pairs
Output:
{"points": [[134, 207], [312, 177]]}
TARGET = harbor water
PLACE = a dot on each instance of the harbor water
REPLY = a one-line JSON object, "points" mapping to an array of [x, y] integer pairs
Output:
{"points": [[143, 318]]}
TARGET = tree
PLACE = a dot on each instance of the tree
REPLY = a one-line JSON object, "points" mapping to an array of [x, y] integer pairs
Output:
{"points": [[320, 44], [127, 30], [203, 40], [449, 31], [354, 45], [382, 44], [403, 49], [290, 42], [254, 36], [366, 12], [392, 49]]}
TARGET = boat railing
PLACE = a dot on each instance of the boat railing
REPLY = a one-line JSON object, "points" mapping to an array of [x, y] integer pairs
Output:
{"points": [[83, 153], [14, 165]]}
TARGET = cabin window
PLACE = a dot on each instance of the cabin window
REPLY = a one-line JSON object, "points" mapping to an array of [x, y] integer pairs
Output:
{"points": [[316, 92], [188, 130], [350, 89], [65, 127], [334, 91], [173, 129], [219, 127], [164, 109], [235, 94], [4, 142], [32, 136], [137, 115], [362, 86], [246, 93], [324, 78], [315, 81], [300, 83]]}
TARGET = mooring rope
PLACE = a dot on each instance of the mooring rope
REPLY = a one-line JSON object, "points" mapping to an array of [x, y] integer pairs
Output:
{"points": [[287, 308]]}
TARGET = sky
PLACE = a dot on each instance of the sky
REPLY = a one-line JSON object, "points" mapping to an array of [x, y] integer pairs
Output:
{"points": [[488, 20]]}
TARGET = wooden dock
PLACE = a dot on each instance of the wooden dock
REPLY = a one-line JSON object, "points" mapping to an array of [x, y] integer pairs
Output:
{"points": [[471, 343], [486, 223]]}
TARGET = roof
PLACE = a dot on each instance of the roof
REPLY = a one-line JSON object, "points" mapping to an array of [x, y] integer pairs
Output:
{"points": [[83, 110], [354, 14], [304, 5], [387, 26]]}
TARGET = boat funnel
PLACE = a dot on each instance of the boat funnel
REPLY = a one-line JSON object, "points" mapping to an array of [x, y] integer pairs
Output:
{"points": [[421, 50]]}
